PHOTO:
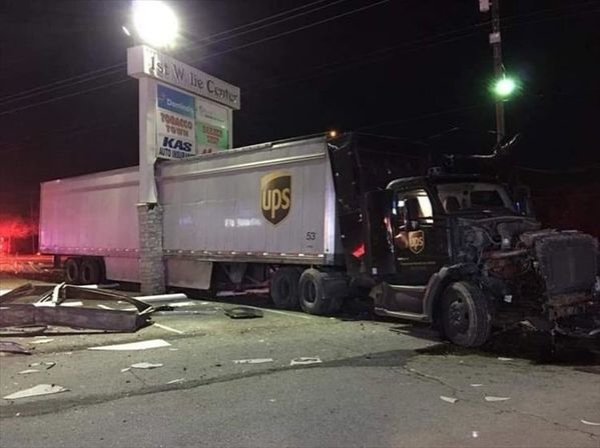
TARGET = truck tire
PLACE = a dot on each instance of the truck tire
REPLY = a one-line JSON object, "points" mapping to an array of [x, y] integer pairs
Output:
{"points": [[90, 272], [322, 293], [284, 288], [466, 315], [72, 270]]}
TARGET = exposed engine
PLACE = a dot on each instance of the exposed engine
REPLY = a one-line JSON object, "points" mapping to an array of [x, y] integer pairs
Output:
{"points": [[545, 276]]}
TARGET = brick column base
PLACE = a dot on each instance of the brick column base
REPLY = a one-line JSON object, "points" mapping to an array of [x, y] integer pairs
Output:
{"points": [[152, 268]]}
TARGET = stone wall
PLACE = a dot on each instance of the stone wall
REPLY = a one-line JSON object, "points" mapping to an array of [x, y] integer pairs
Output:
{"points": [[152, 268]]}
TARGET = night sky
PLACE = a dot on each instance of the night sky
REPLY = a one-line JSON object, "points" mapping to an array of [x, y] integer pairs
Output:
{"points": [[416, 69]]}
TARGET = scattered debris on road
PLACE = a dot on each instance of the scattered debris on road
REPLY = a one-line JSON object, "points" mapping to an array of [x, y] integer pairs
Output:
{"points": [[25, 372], [476, 385], [146, 365], [475, 434], [243, 312], [500, 358], [492, 398], [47, 364], [177, 381], [40, 389], [13, 347], [253, 361], [41, 341], [448, 399], [164, 327], [586, 422], [142, 345], [304, 361]]}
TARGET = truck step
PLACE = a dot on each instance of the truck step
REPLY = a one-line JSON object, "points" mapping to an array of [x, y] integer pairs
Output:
{"points": [[402, 315]]}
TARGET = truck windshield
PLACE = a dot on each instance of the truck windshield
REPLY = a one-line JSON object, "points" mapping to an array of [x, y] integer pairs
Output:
{"points": [[474, 196]]}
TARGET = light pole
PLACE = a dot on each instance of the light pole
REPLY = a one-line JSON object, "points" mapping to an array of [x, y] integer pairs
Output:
{"points": [[156, 24], [503, 86]]}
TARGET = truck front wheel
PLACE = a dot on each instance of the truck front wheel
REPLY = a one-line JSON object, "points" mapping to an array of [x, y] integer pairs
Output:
{"points": [[284, 288], [466, 315]]}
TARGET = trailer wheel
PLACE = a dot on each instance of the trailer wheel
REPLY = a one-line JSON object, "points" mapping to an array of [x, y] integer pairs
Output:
{"points": [[91, 271], [466, 315], [72, 270], [284, 288], [322, 293]]}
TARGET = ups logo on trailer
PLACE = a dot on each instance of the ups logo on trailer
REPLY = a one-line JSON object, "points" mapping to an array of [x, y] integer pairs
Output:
{"points": [[276, 196]]}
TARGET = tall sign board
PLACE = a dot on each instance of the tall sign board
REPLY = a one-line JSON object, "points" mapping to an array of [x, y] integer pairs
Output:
{"points": [[183, 112]]}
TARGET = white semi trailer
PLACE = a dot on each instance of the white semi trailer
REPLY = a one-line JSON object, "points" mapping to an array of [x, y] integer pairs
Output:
{"points": [[317, 220], [237, 215]]}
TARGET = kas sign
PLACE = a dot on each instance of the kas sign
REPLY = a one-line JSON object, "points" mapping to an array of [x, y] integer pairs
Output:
{"points": [[176, 123]]}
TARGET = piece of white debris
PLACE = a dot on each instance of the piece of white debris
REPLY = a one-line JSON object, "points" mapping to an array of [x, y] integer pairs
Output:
{"points": [[178, 380], [24, 372], [126, 369], [173, 349], [448, 399], [476, 385], [142, 345], [272, 400], [475, 434], [586, 422], [145, 365], [47, 364], [252, 361], [500, 358], [165, 327], [40, 389], [305, 360], [492, 398], [41, 341]]}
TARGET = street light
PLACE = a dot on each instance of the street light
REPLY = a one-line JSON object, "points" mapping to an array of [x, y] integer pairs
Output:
{"points": [[155, 23], [504, 87]]}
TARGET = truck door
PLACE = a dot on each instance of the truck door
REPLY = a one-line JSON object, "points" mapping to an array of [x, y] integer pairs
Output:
{"points": [[421, 243]]}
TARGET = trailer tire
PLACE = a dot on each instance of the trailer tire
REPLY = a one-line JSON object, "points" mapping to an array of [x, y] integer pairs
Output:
{"points": [[284, 288], [322, 293], [465, 314], [72, 270], [90, 272]]}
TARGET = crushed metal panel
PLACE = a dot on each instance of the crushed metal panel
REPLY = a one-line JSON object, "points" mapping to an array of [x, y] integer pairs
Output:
{"points": [[29, 314], [95, 319]]}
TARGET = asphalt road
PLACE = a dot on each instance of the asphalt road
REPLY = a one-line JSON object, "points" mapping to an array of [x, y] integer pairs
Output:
{"points": [[379, 383]]}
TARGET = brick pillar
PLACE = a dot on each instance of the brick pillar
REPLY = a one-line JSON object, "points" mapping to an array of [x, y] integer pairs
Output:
{"points": [[152, 268]]}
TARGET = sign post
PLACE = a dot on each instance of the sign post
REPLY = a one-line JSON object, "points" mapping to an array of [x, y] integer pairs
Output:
{"points": [[183, 112]]}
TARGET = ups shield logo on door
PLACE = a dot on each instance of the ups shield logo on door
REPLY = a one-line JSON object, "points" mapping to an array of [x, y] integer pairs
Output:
{"points": [[276, 196], [416, 241]]}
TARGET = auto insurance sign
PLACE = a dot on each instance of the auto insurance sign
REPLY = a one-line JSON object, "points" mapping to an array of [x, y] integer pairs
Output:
{"points": [[175, 123]]}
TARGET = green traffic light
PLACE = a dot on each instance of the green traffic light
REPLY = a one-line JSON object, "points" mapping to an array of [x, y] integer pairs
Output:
{"points": [[505, 87]]}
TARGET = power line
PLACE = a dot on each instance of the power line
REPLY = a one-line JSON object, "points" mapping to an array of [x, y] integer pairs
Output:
{"points": [[116, 68], [299, 29], [69, 95], [213, 55]]}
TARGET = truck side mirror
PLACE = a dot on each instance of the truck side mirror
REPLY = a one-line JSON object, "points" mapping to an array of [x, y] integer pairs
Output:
{"points": [[412, 213]]}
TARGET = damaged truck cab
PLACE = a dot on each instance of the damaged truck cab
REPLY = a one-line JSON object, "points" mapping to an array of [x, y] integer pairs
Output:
{"points": [[459, 252]]}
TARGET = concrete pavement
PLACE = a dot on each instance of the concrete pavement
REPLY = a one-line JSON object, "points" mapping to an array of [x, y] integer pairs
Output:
{"points": [[379, 384]]}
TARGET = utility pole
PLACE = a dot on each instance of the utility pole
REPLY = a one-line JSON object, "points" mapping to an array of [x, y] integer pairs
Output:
{"points": [[495, 39]]}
